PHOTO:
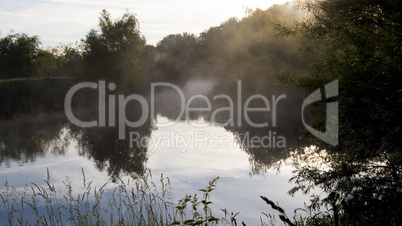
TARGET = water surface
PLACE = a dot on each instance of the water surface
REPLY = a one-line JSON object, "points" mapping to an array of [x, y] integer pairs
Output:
{"points": [[190, 153]]}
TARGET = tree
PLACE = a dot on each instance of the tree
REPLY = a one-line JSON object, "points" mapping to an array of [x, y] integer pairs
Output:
{"points": [[247, 49], [52, 63], [176, 56], [72, 55], [117, 51], [17, 55], [359, 43]]}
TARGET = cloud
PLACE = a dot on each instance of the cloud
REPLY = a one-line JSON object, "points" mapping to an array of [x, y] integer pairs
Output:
{"points": [[61, 21]]}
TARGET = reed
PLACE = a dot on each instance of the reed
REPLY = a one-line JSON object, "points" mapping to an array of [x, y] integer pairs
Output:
{"points": [[140, 201]]}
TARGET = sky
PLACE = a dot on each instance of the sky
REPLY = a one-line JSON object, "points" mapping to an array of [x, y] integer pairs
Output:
{"points": [[60, 22]]}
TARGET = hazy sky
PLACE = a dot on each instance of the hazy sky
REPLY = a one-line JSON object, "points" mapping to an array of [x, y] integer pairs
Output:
{"points": [[64, 21]]}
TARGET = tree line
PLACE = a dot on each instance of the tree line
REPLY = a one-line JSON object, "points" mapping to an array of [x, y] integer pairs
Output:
{"points": [[115, 51]]}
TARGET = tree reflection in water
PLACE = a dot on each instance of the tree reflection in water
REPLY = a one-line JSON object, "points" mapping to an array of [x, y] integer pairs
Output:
{"points": [[23, 139]]}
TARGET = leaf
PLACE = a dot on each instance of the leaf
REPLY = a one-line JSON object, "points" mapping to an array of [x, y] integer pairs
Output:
{"points": [[213, 219], [188, 221], [205, 202]]}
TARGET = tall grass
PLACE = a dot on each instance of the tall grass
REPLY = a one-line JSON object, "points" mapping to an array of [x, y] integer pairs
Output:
{"points": [[140, 201]]}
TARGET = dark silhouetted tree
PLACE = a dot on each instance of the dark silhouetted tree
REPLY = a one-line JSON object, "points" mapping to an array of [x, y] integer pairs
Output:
{"points": [[17, 55], [117, 52], [360, 45], [176, 57]]}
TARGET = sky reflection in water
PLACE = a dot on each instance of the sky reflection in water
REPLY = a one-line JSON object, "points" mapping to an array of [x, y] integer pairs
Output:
{"points": [[238, 189]]}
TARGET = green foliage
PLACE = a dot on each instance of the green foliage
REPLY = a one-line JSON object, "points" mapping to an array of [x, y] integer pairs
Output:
{"points": [[248, 49], [197, 218], [72, 55], [359, 43], [177, 55], [17, 55], [117, 51], [22, 57], [49, 63]]}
